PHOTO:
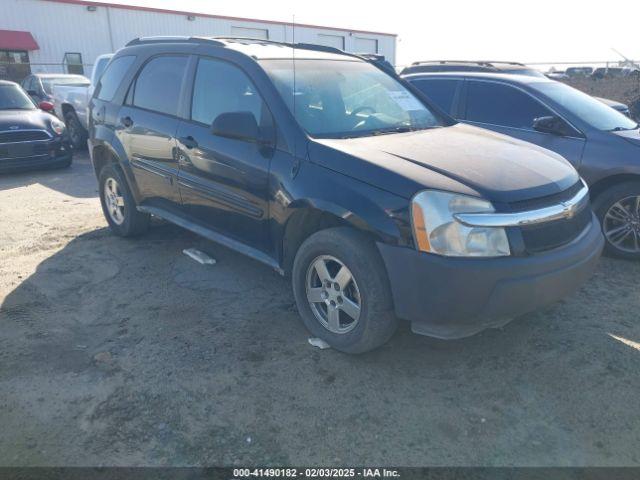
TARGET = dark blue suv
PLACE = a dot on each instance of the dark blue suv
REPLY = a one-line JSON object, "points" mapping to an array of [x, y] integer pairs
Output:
{"points": [[335, 172], [603, 144]]}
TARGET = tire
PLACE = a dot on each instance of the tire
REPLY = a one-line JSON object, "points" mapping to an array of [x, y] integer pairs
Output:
{"points": [[129, 222], [368, 287], [75, 130], [627, 193]]}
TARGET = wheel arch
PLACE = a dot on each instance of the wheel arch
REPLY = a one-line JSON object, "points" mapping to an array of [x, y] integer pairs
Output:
{"points": [[311, 215], [607, 182]]}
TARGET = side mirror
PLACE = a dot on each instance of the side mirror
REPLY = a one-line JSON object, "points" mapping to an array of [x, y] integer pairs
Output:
{"points": [[46, 106], [238, 125], [550, 124]]}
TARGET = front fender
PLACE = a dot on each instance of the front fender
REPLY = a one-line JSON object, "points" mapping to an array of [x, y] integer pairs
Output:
{"points": [[367, 208]]}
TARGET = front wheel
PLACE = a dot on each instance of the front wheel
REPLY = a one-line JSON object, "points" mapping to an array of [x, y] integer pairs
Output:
{"points": [[342, 290], [618, 209], [118, 204]]}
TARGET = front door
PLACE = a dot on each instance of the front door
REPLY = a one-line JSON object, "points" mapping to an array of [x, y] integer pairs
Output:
{"points": [[148, 125], [511, 111], [223, 182]]}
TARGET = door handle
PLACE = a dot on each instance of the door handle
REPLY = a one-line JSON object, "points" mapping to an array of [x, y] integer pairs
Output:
{"points": [[126, 121], [189, 142]]}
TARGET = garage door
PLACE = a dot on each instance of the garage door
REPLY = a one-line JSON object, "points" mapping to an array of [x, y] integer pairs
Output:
{"points": [[336, 41], [260, 33], [366, 45]]}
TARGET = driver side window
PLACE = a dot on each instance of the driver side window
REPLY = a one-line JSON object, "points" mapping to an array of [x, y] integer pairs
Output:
{"points": [[220, 87], [503, 105]]}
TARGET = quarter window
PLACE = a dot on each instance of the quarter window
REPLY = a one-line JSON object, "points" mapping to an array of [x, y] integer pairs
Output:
{"points": [[221, 87], [500, 104], [159, 84], [112, 77]]}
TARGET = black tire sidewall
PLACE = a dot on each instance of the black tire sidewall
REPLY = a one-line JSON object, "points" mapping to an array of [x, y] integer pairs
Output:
{"points": [[601, 205], [73, 124], [377, 321]]}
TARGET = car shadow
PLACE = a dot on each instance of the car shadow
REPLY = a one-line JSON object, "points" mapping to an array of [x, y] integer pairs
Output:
{"points": [[118, 351], [77, 180]]}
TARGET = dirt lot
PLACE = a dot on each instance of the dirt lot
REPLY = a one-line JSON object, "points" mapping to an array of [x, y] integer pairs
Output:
{"points": [[127, 352]]}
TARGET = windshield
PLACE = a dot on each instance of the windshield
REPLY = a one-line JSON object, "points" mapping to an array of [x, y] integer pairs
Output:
{"points": [[13, 98], [342, 99], [585, 107], [49, 82]]}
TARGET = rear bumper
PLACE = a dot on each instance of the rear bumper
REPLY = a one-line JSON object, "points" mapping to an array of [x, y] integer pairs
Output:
{"points": [[449, 297]]}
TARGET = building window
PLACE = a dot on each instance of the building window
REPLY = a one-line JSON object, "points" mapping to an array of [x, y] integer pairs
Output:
{"points": [[261, 33], [336, 41], [366, 45], [14, 65], [73, 62]]}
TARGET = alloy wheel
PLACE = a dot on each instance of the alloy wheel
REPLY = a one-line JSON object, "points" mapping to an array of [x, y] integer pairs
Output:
{"points": [[333, 294], [114, 201], [621, 224]]}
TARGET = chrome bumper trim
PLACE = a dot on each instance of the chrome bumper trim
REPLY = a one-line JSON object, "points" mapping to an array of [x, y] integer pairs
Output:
{"points": [[566, 209]]}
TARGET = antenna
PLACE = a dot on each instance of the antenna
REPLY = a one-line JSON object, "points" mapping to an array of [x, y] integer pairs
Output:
{"points": [[293, 57]]}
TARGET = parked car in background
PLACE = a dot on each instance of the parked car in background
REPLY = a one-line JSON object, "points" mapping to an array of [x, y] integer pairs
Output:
{"points": [[71, 102], [574, 72], [497, 67], [29, 137], [608, 72], [601, 143], [377, 205], [39, 86]]}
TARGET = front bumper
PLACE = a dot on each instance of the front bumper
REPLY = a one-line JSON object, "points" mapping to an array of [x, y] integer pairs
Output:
{"points": [[53, 153], [449, 297]]}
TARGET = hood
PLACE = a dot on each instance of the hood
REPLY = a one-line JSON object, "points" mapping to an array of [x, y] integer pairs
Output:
{"points": [[461, 158], [24, 120]]}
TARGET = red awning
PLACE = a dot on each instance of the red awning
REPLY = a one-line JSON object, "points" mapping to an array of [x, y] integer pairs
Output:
{"points": [[16, 40]]}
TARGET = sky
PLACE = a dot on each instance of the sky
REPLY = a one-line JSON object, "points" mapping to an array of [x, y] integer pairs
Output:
{"points": [[532, 31]]}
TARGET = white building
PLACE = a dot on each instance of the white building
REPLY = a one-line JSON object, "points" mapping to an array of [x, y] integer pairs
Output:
{"points": [[67, 35]]}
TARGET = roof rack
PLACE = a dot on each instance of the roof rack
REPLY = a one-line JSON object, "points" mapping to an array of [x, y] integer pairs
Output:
{"points": [[171, 39], [222, 40], [485, 63]]}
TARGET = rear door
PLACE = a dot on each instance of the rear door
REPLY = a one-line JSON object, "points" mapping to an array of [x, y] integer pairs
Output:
{"points": [[148, 122], [443, 92], [507, 109], [224, 182]]}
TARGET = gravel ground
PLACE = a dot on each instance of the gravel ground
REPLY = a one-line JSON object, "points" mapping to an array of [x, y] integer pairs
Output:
{"points": [[127, 352]]}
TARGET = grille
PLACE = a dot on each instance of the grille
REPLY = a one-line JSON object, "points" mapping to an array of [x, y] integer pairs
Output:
{"points": [[550, 235], [21, 150], [23, 136], [549, 200]]}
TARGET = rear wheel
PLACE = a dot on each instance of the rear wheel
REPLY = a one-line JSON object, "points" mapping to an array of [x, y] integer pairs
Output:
{"points": [[342, 290], [618, 209], [77, 133], [118, 205]]}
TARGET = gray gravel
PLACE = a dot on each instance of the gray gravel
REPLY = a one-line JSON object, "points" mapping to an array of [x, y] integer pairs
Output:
{"points": [[127, 352]]}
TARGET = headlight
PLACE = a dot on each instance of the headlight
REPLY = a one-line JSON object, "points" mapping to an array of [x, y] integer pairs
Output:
{"points": [[57, 126], [435, 229]]}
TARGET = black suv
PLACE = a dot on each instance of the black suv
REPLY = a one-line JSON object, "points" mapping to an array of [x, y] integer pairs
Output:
{"points": [[334, 172]]}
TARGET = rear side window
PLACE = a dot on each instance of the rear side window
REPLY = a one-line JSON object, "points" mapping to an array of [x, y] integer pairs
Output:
{"points": [[439, 91], [500, 104], [220, 87], [159, 84], [112, 77]]}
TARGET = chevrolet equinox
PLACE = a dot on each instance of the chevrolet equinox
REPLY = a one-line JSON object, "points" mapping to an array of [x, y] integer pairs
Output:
{"points": [[332, 171]]}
